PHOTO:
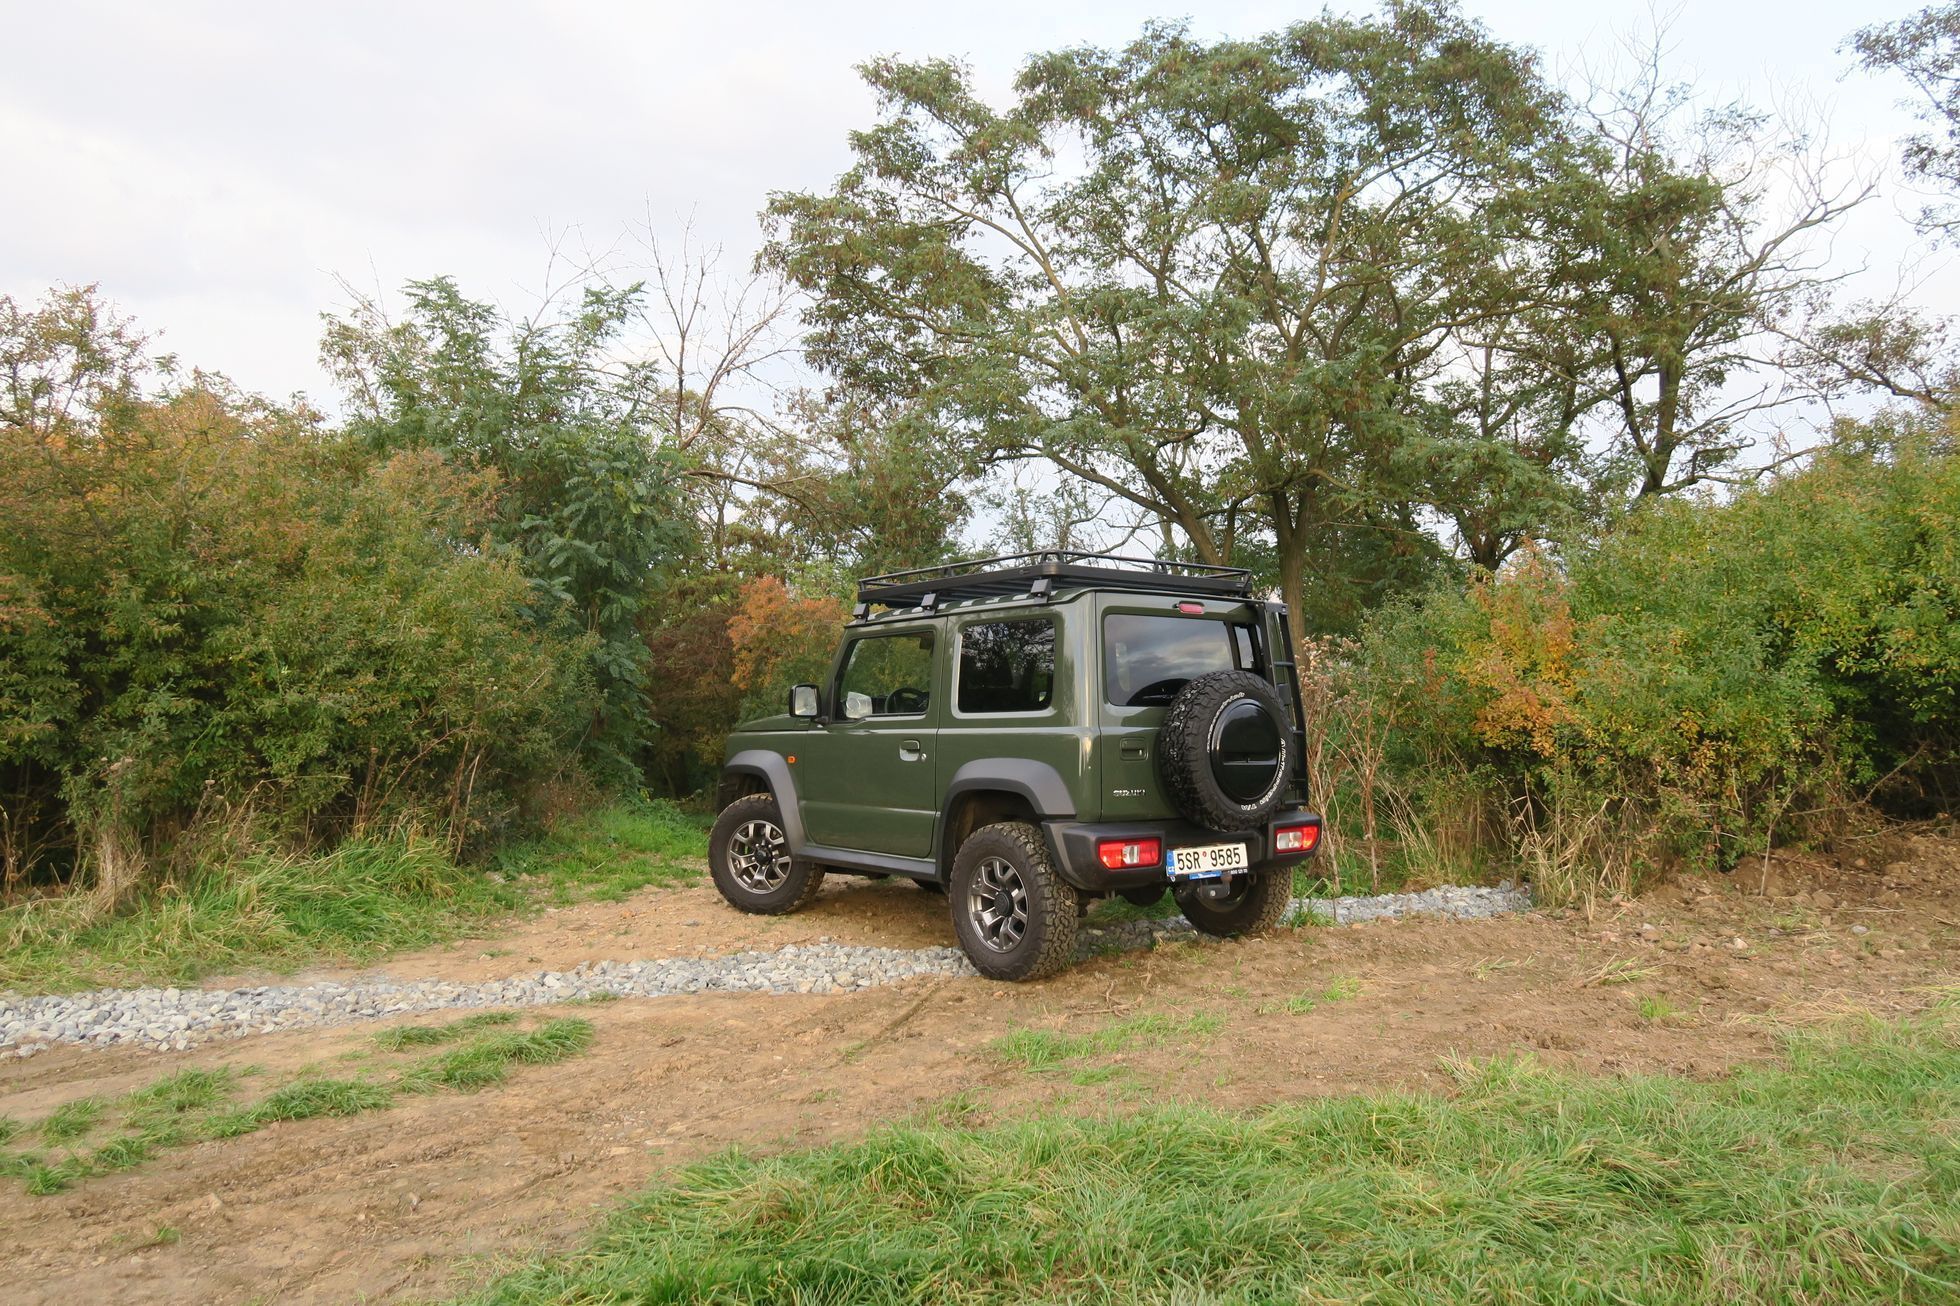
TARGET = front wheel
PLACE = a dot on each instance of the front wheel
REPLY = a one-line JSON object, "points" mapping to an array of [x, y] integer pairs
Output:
{"points": [[1014, 915], [749, 859], [1253, 903]]}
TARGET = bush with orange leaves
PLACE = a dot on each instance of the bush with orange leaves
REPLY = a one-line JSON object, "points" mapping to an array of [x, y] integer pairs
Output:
{"points": [[780, 639]]}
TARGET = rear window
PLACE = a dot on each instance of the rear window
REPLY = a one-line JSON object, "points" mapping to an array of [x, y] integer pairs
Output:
{"points": [[1007, 666], [1148, 658]]}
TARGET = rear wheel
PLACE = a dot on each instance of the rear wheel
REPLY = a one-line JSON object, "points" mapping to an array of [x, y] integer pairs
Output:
{"points": [[750, 862], [1014, 915], [1248, 904]]}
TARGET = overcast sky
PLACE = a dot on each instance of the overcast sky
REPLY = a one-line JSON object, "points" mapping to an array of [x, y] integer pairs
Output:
{"points": [[217, 166]]}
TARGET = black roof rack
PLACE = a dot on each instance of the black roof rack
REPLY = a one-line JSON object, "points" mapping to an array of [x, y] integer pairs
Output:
{"points": [[1021, 574]]}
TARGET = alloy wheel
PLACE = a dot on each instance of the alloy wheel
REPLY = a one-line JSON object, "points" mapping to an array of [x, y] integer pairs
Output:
{"points": [[758, 855], [997, 904]]}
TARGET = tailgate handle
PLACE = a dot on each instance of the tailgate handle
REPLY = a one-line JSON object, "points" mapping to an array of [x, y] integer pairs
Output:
{"points": [[1136, 751]]}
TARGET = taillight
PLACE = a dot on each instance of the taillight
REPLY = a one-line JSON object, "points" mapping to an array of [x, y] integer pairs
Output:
{"points": [[1296, 838], [1116, 854]]}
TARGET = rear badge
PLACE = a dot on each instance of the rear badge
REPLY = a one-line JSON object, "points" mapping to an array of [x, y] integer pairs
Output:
{"points": [[1128, 793]]}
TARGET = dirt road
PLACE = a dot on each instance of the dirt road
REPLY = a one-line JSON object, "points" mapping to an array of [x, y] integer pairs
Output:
{"points": [[429, 1196]]}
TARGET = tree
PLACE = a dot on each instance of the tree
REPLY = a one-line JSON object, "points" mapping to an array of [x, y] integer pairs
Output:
{"points": [[1925, 48], [590, 500], [1686, 236], [1210, 279]]}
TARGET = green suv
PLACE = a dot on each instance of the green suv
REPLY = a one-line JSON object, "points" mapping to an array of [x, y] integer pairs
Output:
{"points": [[1029, 734]]}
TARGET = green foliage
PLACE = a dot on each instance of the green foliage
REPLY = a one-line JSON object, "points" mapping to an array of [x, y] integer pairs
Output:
{"points": [[1829, 1178], [1226, 311], [1681, 686], [588, 499], [1924, 47], [217, 621]]}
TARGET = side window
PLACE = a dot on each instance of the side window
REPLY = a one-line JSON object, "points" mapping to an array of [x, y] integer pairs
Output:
{"points": [[1007, 666], [887, 675]]}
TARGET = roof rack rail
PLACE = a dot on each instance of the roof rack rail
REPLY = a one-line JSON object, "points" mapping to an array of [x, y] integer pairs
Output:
{"points": [[1040, 574]]}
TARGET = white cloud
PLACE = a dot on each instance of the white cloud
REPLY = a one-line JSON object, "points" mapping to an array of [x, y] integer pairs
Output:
{"points": [[215, 166]]}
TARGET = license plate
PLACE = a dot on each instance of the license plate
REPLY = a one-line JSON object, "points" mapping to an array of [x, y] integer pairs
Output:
{"points": [[1211, 859]]}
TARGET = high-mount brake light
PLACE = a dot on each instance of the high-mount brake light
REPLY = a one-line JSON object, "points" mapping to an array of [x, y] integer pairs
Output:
{"points": [[1296, 838], [1121, 854], [1191, 609]]}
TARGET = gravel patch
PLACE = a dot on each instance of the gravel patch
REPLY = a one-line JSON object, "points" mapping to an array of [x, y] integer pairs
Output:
{"points": [[174, 1019]]}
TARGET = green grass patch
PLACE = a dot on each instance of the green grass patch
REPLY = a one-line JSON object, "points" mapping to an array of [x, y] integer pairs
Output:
{"points": [[10, 1129], [1658, 1009], [488, 1060], [70, 1121], [422, 1036], [357, 903], [609, 853], [1832, 1177], [361, 902], [1045, 1049], [304, 1100], [196, 1104], [1339, 990], [1113, 911]]}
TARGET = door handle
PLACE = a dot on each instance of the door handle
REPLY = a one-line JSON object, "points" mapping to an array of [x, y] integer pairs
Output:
{"points": [[909, 751]]}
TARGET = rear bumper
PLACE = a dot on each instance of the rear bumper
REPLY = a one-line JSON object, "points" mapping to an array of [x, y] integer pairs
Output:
{"points": [[1073, 846]]}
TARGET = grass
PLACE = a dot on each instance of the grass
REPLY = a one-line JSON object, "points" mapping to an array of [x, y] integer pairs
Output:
{"points": [[610, 853], [304, 1100], [70, 1121], [1830, 1177], [1046, 1049], [486, 1061], [362, 901], [1622, 970], [1658, 1009], [404, 1037], [1339, 990], [192, 1105]]}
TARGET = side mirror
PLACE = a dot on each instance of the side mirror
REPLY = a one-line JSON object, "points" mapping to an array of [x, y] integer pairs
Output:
{"points": [[803, 700]]}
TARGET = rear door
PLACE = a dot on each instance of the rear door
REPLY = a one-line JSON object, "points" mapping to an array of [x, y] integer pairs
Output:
{"points": [[1150, 649]]}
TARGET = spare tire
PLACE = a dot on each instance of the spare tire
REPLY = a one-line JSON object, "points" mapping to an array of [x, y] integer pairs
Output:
{"points": [[1226, 751]]}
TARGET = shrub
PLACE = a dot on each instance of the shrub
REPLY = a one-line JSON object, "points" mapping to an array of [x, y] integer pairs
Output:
{"points": [[216, 617], [1677, 689]]}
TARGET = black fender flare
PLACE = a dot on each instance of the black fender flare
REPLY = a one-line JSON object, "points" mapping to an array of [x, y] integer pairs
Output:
{"points": [[771, 768], [1038, 783]]}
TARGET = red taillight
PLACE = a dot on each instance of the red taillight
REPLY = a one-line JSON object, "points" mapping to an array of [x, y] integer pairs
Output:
{"points": [[1191, 609], [1296, 838], [1119, 854]]}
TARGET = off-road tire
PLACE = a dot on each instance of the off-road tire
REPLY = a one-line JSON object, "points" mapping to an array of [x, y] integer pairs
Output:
{"points": [[1188, 738], [738, 823], [1147, 896], [1046, 942], [1258, 907]]}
